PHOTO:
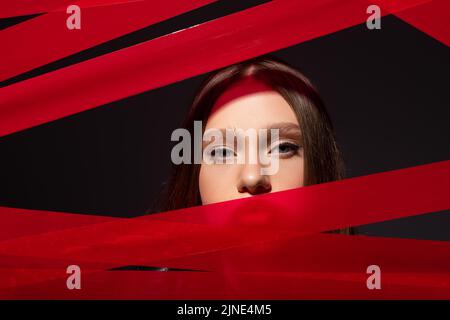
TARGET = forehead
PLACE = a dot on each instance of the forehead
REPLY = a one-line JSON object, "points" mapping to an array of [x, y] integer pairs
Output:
{"points": [[252, 110]]}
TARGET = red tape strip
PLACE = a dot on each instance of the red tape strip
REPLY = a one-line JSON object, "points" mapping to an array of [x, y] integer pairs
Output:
{"points": [[23, 222], [14, 8], [244, 258], [99, 24], [159, 62], [314, 267], [302, 211], [431, 18], [26, 7]]}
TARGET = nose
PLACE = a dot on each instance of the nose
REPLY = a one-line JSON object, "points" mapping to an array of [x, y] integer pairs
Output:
{"points": [[252, 181]]}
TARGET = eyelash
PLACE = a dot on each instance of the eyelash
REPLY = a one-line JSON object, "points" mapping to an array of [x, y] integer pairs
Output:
{"points": [[293, 149], [214, 153]]}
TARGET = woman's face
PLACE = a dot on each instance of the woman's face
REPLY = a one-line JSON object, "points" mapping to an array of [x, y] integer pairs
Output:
{"points": [[254, 109]]}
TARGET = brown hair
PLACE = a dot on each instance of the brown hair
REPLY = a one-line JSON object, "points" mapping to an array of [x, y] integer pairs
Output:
{"points": [[323, 161]]}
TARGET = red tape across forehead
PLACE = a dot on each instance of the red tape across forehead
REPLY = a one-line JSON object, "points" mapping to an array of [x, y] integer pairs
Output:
{"points": [[246, 86]]}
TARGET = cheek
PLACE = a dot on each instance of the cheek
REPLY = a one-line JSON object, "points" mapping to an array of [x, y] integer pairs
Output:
{"points": [[217, 183], [290, 174]]}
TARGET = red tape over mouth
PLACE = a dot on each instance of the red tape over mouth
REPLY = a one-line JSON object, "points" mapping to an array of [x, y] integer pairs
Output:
{"points": [[215, 238]]}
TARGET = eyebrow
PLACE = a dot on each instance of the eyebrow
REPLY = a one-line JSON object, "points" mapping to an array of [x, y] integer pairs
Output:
{"points": [[286, 130], [285, 127]]}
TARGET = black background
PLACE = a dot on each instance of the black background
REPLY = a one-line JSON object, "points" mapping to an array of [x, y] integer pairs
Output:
{"points": [[386, 91]]}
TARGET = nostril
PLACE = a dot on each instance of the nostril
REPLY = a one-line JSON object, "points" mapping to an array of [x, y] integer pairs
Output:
{"points": [[255, 189], [263, 188]]}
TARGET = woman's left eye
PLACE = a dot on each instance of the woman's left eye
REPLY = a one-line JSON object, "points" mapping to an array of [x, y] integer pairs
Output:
{"points": [[285, 148]]}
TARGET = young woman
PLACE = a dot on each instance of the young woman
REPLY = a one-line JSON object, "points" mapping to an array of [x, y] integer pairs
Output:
{"points": [[261, 93]]}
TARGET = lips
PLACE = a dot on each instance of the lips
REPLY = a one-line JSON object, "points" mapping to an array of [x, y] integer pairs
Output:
{"points": [[253, 211]]}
